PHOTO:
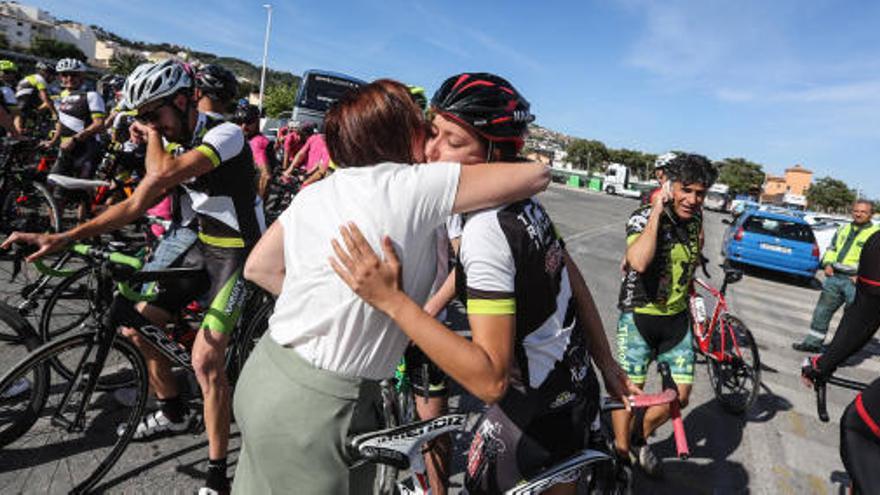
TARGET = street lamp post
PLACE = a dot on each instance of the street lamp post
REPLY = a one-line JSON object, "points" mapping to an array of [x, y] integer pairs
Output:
{"points": [[268, 8]]}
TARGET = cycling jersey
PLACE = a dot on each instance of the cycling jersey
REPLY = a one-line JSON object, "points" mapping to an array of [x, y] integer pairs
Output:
{"points": [[30, 87], [7, 98], [317, 154], [77, 109], [511, 262], [222, 200], [663, 288], [259, 144]]}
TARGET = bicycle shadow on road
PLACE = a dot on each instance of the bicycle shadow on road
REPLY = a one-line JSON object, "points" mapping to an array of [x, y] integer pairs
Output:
{"points": [[813, 283], [713, 436]]}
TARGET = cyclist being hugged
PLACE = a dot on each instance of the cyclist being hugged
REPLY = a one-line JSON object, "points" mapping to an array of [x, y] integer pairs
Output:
{"points": [[211, 161], [664, 240], [860, 422], [33, 96], [298, 395], [533, 320]]}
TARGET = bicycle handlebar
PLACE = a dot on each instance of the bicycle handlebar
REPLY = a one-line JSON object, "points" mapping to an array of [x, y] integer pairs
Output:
{"points": [[820, 387], [104, 255]]}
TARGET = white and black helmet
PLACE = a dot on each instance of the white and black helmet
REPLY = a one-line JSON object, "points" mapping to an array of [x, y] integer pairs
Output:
{"points": [[154, 81], [70, 65], [664, 160]]}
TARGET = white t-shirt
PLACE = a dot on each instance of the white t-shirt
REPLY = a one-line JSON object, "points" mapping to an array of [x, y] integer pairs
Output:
{"points": [[316, 313]]}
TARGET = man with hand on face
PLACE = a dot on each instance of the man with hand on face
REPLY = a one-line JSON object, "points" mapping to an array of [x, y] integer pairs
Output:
{"points": [[664, 240], [208, 164]]}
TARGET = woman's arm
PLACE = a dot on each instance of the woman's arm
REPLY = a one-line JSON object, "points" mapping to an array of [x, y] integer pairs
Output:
{"points": [[492, 184], [482, 366], [617, 383], [262, 266]]}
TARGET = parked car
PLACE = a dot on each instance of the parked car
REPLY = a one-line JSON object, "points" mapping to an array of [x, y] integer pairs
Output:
{"points": [[774, 241]]}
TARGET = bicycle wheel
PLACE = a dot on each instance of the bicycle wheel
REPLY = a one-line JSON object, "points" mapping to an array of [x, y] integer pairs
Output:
{"points": [[21, 401], [72, 442], [29, 208], [735, 379], [385, 482], [249, 337], [70, 304]]}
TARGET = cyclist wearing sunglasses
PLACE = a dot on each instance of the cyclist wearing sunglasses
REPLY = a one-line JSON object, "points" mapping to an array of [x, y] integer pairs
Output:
{"points": [[207, 162]]}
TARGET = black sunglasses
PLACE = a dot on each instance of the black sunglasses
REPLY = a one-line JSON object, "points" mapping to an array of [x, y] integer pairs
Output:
{"points": [[151, 116]]}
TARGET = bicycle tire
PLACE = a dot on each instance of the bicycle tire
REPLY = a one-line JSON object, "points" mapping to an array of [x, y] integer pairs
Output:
{"points": [[735, 381], [29, 208], [66, 290], [247, 340], [385, 482], [60, 450], [14, 424]]}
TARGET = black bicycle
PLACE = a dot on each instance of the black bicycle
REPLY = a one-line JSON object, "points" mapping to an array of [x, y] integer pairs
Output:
{"points": [[67, 429]]}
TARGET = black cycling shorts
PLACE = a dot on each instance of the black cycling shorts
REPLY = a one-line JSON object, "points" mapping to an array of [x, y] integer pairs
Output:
{"points": [[532, 429], [80, 161], [220, 282], [425, 377]]}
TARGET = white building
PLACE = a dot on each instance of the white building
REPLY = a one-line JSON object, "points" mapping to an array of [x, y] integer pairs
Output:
{"points": [[21, 24], [79, 35]]}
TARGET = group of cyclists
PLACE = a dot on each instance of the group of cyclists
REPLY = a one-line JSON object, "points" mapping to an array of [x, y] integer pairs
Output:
{"points": [[410, 204]]}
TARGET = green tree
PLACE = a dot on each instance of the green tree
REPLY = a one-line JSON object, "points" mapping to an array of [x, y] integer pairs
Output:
{"points": [[125, 63], [831, 195], [743, 176], [587, 154], [49, 48], [279, 98]]}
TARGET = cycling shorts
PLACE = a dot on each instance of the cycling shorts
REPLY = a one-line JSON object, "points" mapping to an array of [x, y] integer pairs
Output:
{"points": [[219, 282], [643, 338], [421, 371], [529, 430], [80, 161]]}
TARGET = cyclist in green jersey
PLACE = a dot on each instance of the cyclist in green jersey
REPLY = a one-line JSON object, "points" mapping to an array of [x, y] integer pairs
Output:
{"points": [[32, 93], [663, 240]]}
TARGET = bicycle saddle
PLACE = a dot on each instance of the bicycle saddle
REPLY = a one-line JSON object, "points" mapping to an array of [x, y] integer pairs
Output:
{"points": [[394, 446], [75, 184], [732, 275]]}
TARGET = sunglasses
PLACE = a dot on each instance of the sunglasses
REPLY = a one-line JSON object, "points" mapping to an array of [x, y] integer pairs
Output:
{"points": [[150, 116]]}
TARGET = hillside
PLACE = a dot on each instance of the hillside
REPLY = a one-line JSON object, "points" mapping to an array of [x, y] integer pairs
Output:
{"points": [[242, 68]]}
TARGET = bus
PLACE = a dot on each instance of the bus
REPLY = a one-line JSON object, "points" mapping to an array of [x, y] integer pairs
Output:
{"points": [[317, 92]]}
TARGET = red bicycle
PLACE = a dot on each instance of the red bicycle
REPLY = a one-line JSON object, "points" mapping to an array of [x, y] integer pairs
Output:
{"points": [[729, 349]]}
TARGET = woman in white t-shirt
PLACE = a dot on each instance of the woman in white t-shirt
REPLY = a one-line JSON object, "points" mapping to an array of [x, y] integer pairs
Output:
{"points": [[299, 395]]}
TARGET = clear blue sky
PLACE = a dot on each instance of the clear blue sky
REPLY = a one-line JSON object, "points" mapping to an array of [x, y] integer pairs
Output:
{"points": [[779, 83]]}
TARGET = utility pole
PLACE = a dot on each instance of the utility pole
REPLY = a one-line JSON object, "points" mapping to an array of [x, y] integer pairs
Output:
{"points": [[268, 8]]}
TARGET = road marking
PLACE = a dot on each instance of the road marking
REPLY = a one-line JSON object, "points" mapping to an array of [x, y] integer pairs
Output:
{"points": [[589, 233]]}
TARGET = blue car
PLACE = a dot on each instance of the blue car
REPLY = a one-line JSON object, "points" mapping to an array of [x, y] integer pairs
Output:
{"points": [[774, 241]]}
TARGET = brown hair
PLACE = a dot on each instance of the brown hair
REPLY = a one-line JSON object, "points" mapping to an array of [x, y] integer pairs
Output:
{"points": [[373, 124]]}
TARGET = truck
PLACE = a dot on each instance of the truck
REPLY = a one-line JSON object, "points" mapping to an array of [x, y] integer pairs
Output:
{"points": [[718, 197], [617, 181]]}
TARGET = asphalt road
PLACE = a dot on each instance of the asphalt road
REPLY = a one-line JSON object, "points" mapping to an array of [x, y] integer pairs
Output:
{"points": [[778, 447]]}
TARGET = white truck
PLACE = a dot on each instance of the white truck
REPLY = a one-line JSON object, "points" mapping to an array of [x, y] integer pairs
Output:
{"points": [[718, 197], [617, 181]]}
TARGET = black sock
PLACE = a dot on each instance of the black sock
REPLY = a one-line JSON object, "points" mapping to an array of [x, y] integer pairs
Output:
{"points": [[217, 475], [173, 408]]}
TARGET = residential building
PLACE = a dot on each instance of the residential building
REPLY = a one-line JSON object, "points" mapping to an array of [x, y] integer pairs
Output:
{"points": [[105, 50], [21, 24], [78, 35], [790, 188]]}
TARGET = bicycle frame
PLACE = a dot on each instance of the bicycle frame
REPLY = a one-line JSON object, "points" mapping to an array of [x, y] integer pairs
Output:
{"points": [[703, 332]]}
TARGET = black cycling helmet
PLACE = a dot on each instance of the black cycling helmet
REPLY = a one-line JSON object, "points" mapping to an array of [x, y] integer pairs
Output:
{"points": [[45, 67], [246, 114], [217, 81], [487, 103]]}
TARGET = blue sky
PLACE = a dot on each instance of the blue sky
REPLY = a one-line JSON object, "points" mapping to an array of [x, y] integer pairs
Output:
{"points": [[779, 83]]}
